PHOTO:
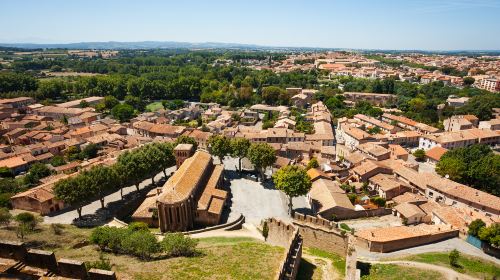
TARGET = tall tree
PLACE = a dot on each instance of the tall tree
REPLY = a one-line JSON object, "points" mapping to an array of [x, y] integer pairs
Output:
{"points": [[75, 192], [219, 146], [261, 155], [102, 181], [239, 149], [293, 181]]}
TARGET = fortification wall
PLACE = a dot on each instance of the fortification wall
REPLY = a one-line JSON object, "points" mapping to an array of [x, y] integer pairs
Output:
{"points": [[47, 260], [321, 234], [286, 235]]}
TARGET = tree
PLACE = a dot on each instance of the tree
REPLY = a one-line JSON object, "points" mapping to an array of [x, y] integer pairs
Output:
{"points": [[419, 155], [27, 219], [123, 112], [239, 149], [475, 226], [101, 180], [141, 243], [74, 191], [219, 146], [36, 172], [110, 102], [265, 230], [89, 151], [453, 257], [491, 234], [5, 172], [177, 244], [379, 201], [57, 161], [468, 81], [5, 216], [313, 163], [272, 94], [293, 181], [261, 155]]}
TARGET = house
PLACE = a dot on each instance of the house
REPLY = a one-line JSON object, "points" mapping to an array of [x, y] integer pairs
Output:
{"points": [[434, 154], [493, 124], [460, 122], [368, 169], [328, 200], [373, 98], [409, 213], [90, 101], [39, 199], [387, 186], [459, 139]]}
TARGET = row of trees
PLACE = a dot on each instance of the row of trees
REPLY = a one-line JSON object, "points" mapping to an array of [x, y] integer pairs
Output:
{"points": [[489, 234], [131, 168]]}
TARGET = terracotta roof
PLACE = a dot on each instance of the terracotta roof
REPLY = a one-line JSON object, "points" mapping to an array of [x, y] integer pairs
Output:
{"points": [[182, 184], [409, 210], [436, 153], [402, 232], [327, 194]]}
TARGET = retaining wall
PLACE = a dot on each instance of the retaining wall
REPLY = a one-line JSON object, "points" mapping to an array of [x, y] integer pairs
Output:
{"points": [[47, 260]]}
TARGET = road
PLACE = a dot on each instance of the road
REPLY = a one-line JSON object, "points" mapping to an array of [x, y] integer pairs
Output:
{"points": [[92, 208]]}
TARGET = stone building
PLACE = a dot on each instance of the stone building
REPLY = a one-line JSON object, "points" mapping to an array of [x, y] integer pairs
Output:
{"points": [[193, 196]]}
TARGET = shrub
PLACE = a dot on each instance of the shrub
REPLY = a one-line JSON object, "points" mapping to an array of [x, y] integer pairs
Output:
{"points": [[5, 216], [27, 219], [419, 155], [102, 263], [136, 226], [345, 227], [142, 244], [176, 244], [380, 202], [453, 256]]}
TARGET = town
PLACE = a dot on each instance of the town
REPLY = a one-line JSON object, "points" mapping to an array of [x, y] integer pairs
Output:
{"points": [[357, 158]]}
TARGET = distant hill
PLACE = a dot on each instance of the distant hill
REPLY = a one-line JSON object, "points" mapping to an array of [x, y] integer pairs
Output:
{"points": [[215, 45]]}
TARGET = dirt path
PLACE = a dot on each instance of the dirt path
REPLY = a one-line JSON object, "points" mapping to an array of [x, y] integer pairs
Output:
{"points": [[449, 273], [326, 266]]}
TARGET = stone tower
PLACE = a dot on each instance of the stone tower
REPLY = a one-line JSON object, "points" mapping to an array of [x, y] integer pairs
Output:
{"points": [[182, 152]]}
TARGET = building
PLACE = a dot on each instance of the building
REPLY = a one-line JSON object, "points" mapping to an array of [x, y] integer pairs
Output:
{"points": [[460, 122], [328, 200], [493, 124], [372, 98], [407, 123], [459, 139], [88, 101], [192, 196], [434, 154], [387, 186], [489, 84]]}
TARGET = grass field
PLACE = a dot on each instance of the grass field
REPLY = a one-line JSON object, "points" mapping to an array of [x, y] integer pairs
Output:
{"points": [[154, 106], [395, 272], [220, 258], [467, 264]]}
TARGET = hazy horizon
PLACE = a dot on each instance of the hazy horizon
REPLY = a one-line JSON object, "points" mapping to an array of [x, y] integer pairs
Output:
{"points": [[426, 25]]}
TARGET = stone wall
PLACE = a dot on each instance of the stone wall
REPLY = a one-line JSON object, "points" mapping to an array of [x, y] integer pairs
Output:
{"points": [[47, 260], [286, 235], [321, 234], [347, 215]]}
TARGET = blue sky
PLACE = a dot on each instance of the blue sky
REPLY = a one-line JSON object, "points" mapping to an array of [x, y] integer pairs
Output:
{"points": [[371, 24]]}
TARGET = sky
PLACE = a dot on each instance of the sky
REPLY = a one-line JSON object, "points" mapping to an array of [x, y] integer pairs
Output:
{"points": [[357, 24]]}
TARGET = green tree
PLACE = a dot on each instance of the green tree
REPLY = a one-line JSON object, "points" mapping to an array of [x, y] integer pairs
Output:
{"points": [[123, 112], [219, 146], [265, 230], [293, 181], [453, 257], [475, 226], [36, 172], [141, 243], [57, 161], [491, 234], [272, 94], [313, 163], [89, 151], [419, 155], [75, 192], [110, 102], [5, 216], [102, 180], [239, 149], [5, 172], [27, 219], [468, 81], [261, 155]]}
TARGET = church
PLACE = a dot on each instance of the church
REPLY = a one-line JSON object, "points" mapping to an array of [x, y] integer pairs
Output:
{"points": [[193, 196]]}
